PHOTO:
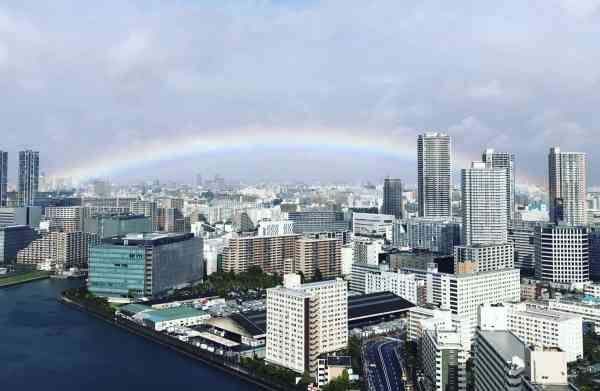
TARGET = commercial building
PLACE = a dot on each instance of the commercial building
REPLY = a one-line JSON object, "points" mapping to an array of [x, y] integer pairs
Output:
{"points": [[522, 236], [162, 319], [58, 251], [543, 329], [29, 167], [305, 321], [108, 226], [373, 225], [567, 182], [318, 221], [438, 235], [483, 257], [484, 205], [13, 239], [444, 360], [405, 285], [434, 175], [392, 198], [3, 178], [267, 252], [505, 161], [316, 256], [145, 264], [562, 254], [464, 293]]}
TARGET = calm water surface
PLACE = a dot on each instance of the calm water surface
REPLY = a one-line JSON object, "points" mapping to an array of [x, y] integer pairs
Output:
{"points": [[45, 345]]}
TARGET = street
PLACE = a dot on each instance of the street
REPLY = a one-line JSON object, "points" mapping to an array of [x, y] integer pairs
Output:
{"points": [[383, 365]]}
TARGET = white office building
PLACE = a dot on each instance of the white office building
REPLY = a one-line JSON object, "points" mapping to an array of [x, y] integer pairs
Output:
{"points": [[373, 225], [562, 254], [484, 205], [399, 283], [304, 321], [464, 293]]}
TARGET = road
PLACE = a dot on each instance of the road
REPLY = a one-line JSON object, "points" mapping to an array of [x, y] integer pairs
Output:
{"points": [[383, 365]]}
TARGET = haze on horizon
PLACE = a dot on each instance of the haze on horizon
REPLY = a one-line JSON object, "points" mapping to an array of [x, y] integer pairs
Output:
{"points": [[85, 79]]}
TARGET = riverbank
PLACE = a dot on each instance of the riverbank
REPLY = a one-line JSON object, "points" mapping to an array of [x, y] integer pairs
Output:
{"points": [[229, 366], [23, 278]]}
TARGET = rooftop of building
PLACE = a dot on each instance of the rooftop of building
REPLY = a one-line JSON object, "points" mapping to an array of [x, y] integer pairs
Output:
{"points": [[485, 245], [254, 322], [505, 343], [132, 309], [118, 216], [153, 238], [339, 361], [174, 313], [373, 304]]}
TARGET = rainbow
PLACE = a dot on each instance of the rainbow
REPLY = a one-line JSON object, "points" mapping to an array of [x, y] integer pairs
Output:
{"points": [[398, 145]]}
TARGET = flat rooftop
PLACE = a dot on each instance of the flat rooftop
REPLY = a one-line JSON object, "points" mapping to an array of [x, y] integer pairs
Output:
{"points": [[376, 304], [173, 314], [154, 238], [505, 343]]}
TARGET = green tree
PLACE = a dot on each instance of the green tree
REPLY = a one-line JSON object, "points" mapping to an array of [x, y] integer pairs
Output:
{"points": [[341, 383]]}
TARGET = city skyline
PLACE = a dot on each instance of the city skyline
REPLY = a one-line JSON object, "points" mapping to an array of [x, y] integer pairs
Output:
{"points": [[98, 97]]}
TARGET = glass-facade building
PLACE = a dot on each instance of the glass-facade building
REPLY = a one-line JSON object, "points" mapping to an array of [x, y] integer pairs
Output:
{"points": [[146, 265]]}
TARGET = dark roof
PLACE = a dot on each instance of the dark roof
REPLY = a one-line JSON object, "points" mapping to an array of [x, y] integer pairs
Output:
{"points": [[339, 361], [255, 322], [374, 304]]}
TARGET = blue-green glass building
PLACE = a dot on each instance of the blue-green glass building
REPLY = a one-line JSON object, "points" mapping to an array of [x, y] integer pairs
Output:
{"points": [[146, 265]]}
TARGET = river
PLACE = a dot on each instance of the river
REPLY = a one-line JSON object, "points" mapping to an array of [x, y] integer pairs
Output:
{"points": [[45, 345]]}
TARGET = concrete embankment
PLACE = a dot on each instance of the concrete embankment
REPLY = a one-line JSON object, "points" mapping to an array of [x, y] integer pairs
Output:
{"points": [[216, 361]]}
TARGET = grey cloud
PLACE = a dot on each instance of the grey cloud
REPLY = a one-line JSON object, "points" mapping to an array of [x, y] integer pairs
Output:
{"points": [[88, 77]]}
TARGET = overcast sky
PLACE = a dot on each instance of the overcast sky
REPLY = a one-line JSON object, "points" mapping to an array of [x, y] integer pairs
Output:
{"points": [[80, 79]]}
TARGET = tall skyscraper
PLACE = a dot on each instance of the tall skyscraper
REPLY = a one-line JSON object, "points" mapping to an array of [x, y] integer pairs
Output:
{"points": [[392, 197], [567, 182], [434, 175], [29, 166], [504, 160], [3, 177], [484, 205]]}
